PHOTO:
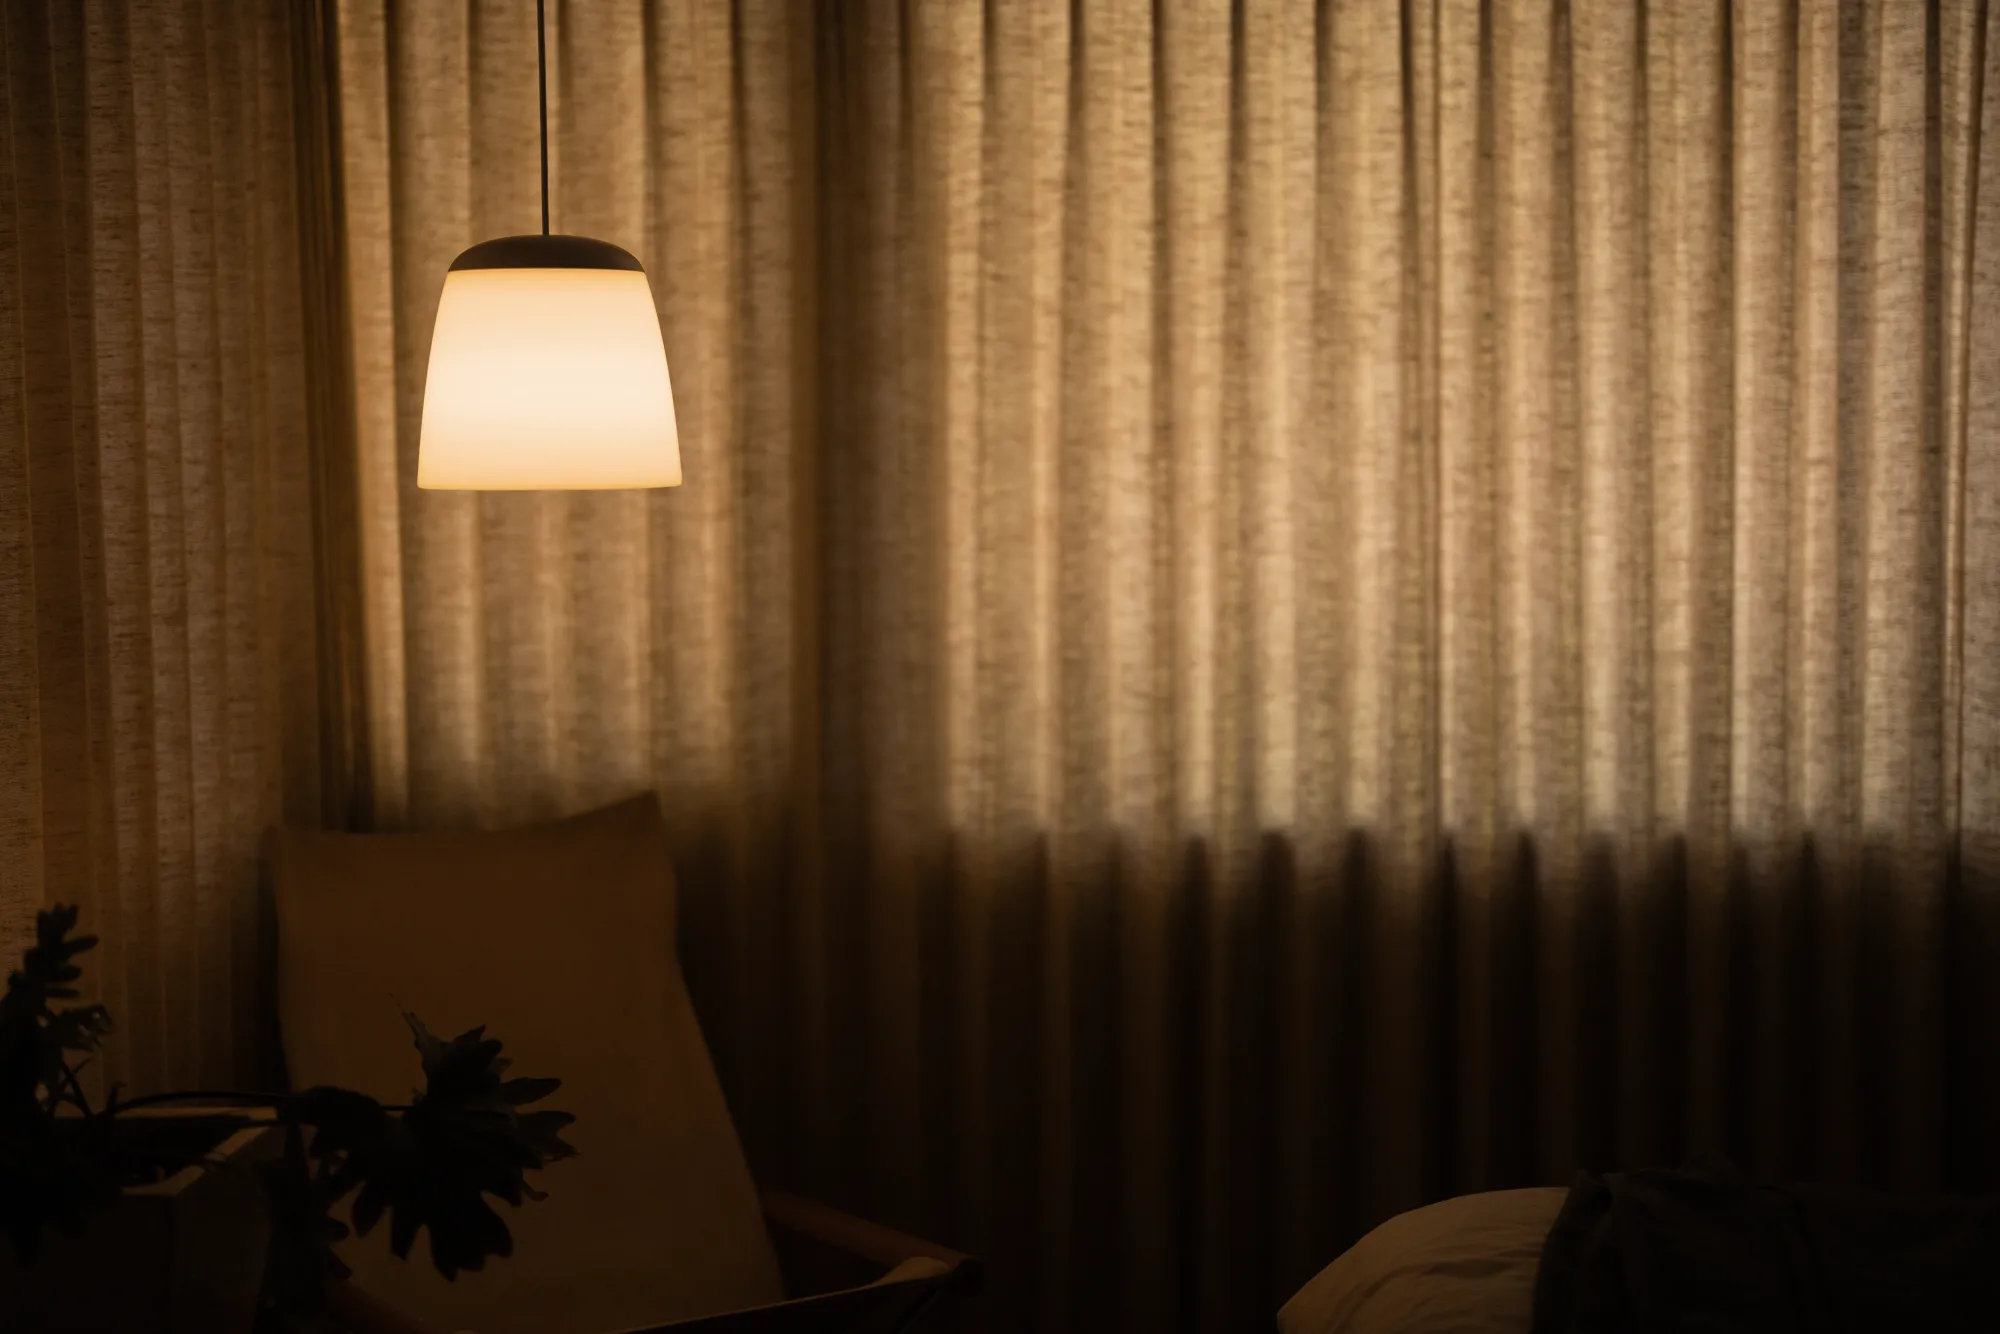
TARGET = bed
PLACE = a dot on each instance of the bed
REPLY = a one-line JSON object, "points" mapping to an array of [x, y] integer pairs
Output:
{"points": [[1462, 1266], [1699, 1248]]}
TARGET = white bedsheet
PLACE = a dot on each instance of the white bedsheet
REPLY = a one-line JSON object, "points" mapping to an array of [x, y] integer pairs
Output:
{"points": [[1462, 1266]]}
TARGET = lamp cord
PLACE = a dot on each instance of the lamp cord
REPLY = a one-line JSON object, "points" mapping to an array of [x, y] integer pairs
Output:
{"points": [[542, 86]]}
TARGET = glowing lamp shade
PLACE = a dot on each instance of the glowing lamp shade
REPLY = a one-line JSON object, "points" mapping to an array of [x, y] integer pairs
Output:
{"points": [[547, 372]]}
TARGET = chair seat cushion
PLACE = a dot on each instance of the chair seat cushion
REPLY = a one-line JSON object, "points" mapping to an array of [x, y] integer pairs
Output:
{"points": [[560, 940]]}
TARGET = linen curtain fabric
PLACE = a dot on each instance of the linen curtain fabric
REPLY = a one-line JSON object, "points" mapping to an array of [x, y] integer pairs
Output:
{"points": [[534, 654], [1279, 610], [1407, 591], [160, 675]]}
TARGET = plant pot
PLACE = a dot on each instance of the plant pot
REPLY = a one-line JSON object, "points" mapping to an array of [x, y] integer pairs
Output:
{"points": [[176, 1255]]}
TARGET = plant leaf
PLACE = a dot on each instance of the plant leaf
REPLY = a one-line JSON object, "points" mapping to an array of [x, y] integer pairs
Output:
{"points": [[50, 1173], [369, 1204], [428, 1047], [80, 1027], [462, 1140], [404, 1224], [518, 1092], [542, 1130]]}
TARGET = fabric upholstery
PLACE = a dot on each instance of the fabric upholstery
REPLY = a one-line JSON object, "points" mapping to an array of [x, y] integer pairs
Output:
{"points": [[560, 940], [1460, 1266]]}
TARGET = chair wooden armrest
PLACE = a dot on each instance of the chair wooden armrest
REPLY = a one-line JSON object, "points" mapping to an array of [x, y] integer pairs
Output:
{"points": [[849, 1274], [826, 1296], [857, 1237]]}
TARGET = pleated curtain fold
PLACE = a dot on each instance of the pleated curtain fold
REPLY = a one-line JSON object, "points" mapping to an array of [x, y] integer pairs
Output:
{"points": [[162, 681], [1279, 609], [1410, 605]]}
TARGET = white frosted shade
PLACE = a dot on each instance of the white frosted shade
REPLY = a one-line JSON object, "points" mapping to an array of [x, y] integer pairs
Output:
{"points": [[547, 379]]}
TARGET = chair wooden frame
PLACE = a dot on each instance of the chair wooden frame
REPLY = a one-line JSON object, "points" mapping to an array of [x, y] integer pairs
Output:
{"points": [[900, 1306]]}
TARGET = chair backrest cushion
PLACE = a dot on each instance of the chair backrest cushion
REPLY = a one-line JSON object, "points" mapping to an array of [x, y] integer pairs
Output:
{"points": [[560, 940]]}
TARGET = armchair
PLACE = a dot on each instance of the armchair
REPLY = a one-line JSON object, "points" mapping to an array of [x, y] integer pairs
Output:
{"points": [[561, 939]]}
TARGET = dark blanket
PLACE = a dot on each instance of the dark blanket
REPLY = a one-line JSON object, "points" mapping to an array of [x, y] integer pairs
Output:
{"points": [[1703, 1249]]}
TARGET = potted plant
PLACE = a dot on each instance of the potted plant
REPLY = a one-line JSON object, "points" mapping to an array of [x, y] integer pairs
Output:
{"points": [[214, 1210]]}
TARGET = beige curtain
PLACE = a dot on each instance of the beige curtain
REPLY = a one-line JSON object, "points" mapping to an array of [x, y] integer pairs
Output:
{"points": [[1279, 609], [1410, 605], [161, 690]]}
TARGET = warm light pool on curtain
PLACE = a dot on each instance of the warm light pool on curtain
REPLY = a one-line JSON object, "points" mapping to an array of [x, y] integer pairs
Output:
{"points": [[1278, 609]]}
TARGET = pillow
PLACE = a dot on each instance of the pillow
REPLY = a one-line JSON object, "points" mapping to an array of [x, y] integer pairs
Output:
{"points": [[560, 939], [1462, 1266]]}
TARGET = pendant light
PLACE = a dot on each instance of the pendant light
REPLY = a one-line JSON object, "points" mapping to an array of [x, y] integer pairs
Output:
{"points": [[547, 369]]}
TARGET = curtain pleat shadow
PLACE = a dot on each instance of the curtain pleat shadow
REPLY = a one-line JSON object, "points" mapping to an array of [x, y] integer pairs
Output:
{"points": [[162, 660], [1313, 1053], [1279, 610]]}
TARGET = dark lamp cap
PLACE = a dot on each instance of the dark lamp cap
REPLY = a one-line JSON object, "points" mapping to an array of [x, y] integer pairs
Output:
{"points": [[546, 252]]}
